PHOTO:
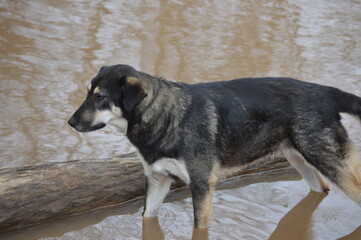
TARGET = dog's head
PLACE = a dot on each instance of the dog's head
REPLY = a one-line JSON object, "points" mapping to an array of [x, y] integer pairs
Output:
{"points": [[114, 92]]}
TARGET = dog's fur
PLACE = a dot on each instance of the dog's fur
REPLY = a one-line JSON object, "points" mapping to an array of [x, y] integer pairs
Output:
{"points": [[193, 132]]}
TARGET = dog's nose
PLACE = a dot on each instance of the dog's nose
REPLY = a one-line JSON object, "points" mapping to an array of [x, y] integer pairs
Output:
{"points": [[72, 122]]}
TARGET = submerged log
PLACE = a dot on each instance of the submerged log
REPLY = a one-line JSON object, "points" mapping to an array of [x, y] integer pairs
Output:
{"points": [[41, 193]]}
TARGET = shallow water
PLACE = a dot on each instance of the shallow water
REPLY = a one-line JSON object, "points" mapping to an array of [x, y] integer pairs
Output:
{"points": [[49, 51]]}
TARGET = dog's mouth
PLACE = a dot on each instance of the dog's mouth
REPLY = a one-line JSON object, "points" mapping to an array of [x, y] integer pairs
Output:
{"points": [[85, 127], [95, 127]]}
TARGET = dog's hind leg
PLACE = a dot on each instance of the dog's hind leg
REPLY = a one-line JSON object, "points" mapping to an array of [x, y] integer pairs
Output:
{"points": [[158, 186], [329, 150], [308, 172], [350, 175]]}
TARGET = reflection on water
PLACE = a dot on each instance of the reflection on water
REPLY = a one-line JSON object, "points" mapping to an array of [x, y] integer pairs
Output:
{"points": [[296, 224], [151, 229], [200, 234], [51, 49]]}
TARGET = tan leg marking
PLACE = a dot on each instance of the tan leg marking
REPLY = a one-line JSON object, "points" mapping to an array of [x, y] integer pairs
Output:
{"points": [[351, 175], [204, 215]]}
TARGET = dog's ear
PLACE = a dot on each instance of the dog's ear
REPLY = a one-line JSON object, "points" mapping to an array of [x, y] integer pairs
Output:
{"points": [[102, 68], [133, 93]]}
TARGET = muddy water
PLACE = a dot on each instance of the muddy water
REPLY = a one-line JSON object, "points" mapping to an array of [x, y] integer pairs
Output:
{"points": [[49, 50]]}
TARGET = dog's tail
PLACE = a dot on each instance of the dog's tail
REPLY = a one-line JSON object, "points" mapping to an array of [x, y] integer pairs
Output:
{"points": [[348, 103]]}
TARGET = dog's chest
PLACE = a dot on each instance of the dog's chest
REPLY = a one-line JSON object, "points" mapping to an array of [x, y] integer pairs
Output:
{"points": [[167, 166]]}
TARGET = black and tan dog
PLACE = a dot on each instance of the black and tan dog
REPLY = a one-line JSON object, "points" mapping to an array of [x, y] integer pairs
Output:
{"points": [[195, 132]]}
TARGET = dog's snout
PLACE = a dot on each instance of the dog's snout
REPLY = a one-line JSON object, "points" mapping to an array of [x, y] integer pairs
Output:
{"points": [[72, 122]]}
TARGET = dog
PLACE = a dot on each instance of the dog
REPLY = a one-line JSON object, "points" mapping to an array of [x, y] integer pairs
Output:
{"points": [[194, 132]]}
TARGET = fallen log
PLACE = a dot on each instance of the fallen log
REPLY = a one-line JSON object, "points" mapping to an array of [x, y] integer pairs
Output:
{"points": [[40, 193]]}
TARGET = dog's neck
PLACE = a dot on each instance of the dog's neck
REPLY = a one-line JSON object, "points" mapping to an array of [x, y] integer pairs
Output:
{"points": [[157, 117]]}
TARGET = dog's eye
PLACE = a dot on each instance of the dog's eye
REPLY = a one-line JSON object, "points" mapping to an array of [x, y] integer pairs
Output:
{"points": [[100, 97]]}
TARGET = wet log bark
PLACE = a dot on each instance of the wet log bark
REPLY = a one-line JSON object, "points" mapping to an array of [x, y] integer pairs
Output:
{"points": [[40, 193]]}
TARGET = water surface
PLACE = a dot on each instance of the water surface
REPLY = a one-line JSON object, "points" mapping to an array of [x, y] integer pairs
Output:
{"points": [[49, 51]]}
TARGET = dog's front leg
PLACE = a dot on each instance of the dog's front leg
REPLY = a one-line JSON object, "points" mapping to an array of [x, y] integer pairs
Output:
{"points": [[157, 188], [202, 193]]}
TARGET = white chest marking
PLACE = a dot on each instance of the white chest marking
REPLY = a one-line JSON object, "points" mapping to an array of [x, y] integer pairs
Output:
{"points": [[166, 166]]}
